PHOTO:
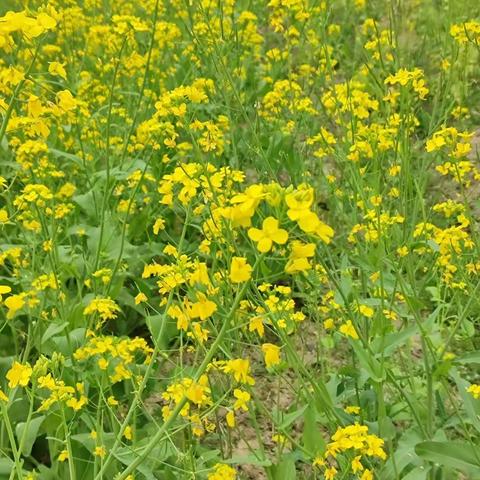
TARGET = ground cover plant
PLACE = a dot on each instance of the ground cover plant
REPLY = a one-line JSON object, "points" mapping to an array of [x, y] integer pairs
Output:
{"points": [[239, 239]]}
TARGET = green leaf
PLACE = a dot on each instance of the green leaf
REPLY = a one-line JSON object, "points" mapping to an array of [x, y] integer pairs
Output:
{"points": [[289, 418], [248, 460], [67, 345], [419, 473], [312, 437], [368, 362], [473, 357], [285, 470], [126, 456], [450, 454], [161, 324], [30, 435], [208, 456], [52, 330], [86, 201], [396, 463], [402, 457], [6, 466], [390, 342], [86, 440], [470, 404], [69, 156]]}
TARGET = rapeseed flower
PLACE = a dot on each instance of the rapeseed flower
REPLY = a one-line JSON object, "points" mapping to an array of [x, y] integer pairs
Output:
{"points": [[240, 270], [271, 354], [268, 235], [19, 375], [105, 307]]}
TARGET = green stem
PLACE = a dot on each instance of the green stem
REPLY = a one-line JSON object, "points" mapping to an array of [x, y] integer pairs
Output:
{"points": [[11, 437], [200, 371], [107, 159]]}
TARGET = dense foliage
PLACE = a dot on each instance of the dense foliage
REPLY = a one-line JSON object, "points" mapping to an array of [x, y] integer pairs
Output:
{"points": [[239, 240]]}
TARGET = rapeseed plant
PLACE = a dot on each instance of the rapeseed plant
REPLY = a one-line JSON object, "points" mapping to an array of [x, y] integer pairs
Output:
{"points": [[239, 239]]}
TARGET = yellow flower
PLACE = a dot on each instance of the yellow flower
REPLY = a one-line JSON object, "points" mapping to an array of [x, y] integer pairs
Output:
{"points": [[14, 303], [100, 451], [196, 393], [299, 257], [374, 276], [474, 389], [352, 409], [3, 397], [367, 475], [328, 324], [269, 234], [330, 473], [19, 375], [104, 273], [299, 202], [222, 472], [56, 68], [203, 308], [140, 298], [158, 225], [3, 290], [256, 325], [127, 433], [240, 270], [63, 456], [241, 370], [357, 465], [47, 245], [112, 401], [3, 215], [171, 250], [310, 223], [356, 437], [366, 311], [279, 438], [106, 308], [271, 354], [242, 399], [66, 101], [45, 22], [349, 330], [230, 418], [102, 363], [435, 143], [77, 404]]}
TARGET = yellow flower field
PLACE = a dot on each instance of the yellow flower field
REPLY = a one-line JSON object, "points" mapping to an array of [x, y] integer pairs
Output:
{"points": [[239, 239]]}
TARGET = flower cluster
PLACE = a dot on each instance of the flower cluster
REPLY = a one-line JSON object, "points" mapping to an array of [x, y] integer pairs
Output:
{"points": [[355, 442], [228, 228]]}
